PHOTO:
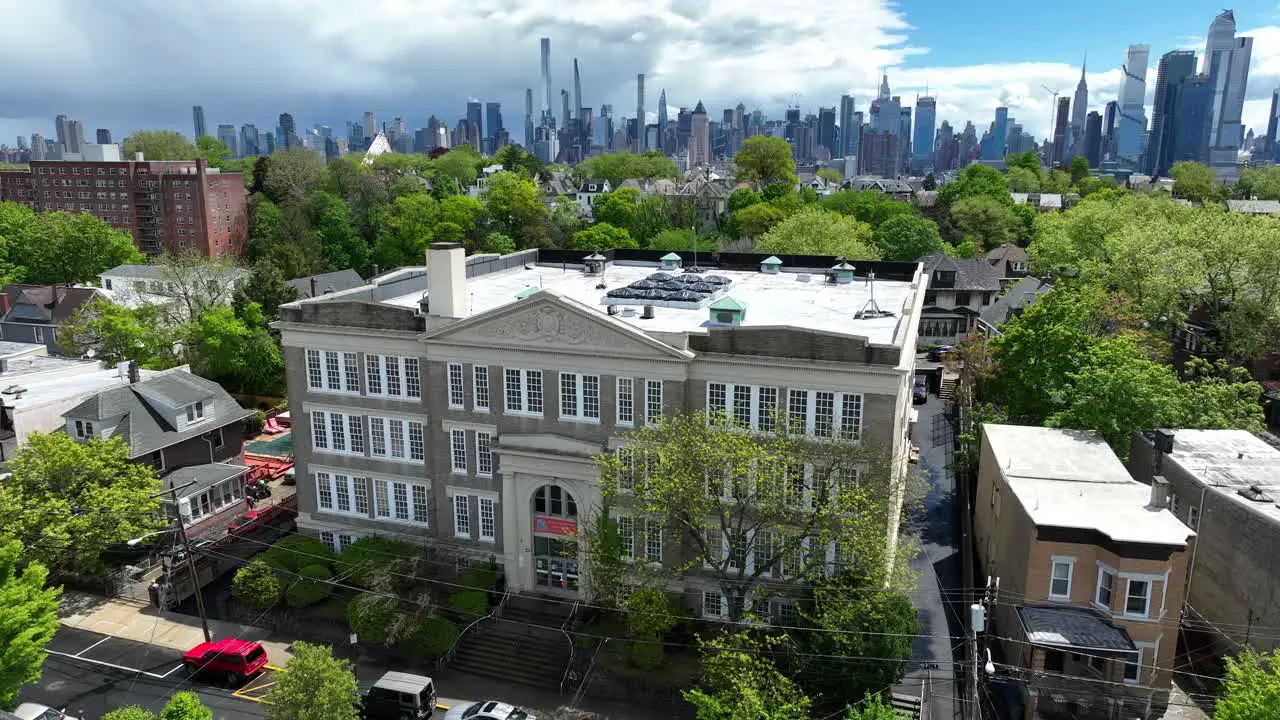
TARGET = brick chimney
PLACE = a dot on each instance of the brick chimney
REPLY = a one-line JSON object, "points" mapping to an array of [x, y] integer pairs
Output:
{"points": [[5, 307], [313, 286]]}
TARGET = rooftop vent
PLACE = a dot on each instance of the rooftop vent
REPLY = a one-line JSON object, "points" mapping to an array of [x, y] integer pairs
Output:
{"points": [[843, 273], [770, 265], [527, 292], [727, 311], [613, 309], [1254, 493], [593, 264], [671, 261], [802, 277], [648, 313], [13, 390]]}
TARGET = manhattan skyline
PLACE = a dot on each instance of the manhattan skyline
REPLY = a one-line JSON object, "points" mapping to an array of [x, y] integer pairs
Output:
{"points": [[340, 65]]}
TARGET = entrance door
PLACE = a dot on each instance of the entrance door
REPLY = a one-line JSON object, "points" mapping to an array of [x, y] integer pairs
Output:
{"points": [[555, 549]]}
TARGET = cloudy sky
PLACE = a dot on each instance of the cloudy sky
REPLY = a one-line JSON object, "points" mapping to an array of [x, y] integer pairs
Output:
{"points": [[127, 64]]}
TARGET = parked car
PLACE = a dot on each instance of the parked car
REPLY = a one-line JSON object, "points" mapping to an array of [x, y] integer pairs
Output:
{"points": [[935, 355], [920, 392], [488, 710], [34, 711], [399, 696], [238, 660]]}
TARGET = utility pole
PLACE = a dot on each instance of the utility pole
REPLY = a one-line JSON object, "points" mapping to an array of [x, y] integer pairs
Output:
{"points": [[978, 613], [190, 560]]}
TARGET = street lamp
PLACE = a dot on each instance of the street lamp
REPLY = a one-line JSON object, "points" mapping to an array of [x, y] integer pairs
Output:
{"points": [[190, 561], [140, 538]]}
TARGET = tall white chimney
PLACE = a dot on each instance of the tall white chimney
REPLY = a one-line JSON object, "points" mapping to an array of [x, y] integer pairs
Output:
{"points": [[138, 157], [447, 280]]}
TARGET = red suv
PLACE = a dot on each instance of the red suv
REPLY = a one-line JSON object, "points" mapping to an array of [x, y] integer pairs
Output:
{"points": [[237, 659]]}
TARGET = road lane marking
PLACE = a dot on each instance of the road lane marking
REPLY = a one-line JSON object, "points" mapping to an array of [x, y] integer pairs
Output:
{"points": [[82, 652], [175, 669], [110, 665]]}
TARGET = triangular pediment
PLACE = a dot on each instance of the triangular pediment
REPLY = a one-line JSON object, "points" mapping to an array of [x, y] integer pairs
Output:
{"points": [[547, 319], [548, 444]]}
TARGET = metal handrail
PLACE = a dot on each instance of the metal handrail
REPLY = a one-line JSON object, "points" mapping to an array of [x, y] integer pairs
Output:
{"points": [[586, 677], [453, 650], [572, 648]]}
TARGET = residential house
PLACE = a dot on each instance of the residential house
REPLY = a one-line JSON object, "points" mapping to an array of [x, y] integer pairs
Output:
{"points": [[175, 421], [470, 416], [38, 388], [171, 285], [336, 281], [958, 292], [1010, 261], [1092, 567], [897, 189], [1224, 484], [1010, 304], [591, 189], [1254, 207], [1044, 202], [33, 313], [815, 183], [556, 184]]}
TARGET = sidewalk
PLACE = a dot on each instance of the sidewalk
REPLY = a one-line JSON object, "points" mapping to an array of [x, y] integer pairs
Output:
{"points": [[132, 620]]}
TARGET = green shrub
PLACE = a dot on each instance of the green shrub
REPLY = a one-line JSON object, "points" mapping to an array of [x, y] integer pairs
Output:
{"points": [[370, 617], [298, 551], [254, 423], [482, 577], [257, 584], [432, 639], [309, 589], [644, 654], [470, 603], [132, 712], [371, 553]]}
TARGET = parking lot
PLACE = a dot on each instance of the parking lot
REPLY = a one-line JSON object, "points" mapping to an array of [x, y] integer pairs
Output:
{"points": [[107, 651]]}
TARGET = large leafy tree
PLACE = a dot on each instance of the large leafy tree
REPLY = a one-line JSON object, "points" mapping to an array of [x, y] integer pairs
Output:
{"points": [[1195, 181], [456, 170], [1262, 182], [67, 500], [976, 179], [292, 175], [765, 160], [515, 158], [1022, 180], [115, 333], [618, 166], [757, 220], [236, 350], [817, 232], [870, 206], [741, 682], [514, 206], [743, 506], [602, 236], [159, 145], [28, 618], [184, 705], [988, 221], [192, 283], [1252, 688], [907, 237], [67, 248], [407, 228], [265, 286], [341, 247], [618, 208], [317, 686], [214, 151]]}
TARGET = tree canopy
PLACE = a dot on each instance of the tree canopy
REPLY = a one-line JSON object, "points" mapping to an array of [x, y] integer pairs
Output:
{"points": [[1195, 181], [618, 166], [740, 682], [765, 160], [602, 236], [28, 618], [813, 231], [1252, 688], [907, 237], [159, 145], [317, 686], [59, 247]]}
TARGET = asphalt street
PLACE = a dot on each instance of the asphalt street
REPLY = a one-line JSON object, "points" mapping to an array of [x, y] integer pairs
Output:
{"points": [[88, 674]]}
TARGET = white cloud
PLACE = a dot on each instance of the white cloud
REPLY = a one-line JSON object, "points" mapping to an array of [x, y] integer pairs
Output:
{"points": [[132, 63]]}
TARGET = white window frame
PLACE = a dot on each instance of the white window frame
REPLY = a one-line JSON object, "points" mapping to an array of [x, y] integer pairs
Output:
{"points": [[574, 400], [462, 516], [385, 495], [336, 378], [383, 429], [625, 400], [488, 515], [84, 429], [848, 410], [457, 387], [1146, 613], [653, 401], [760, 416], [329, 484], [458, 451], [405, 369], [1193, 517], [1137, 665], [324, 439], [1104, 571], [516, 397], [722, 605], [484, 453], [480, 388], [626, 535], [1054, 562]]}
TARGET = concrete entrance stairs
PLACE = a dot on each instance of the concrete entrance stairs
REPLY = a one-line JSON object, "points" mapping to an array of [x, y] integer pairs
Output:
{"points": [[906, 706], [948, 386], [524, 644]]}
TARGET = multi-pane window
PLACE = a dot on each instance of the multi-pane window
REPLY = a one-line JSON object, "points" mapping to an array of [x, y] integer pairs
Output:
{"points": [[484, 453], [824, 414], [457, 400], [341, 493], [763, 551], [742, 415], [766, 408], [458, 450], [480, 387], [652, 540], [850, 416], [401, 501], [337, 432], [462, 516], [713, 604], [337, 542], [488, 519], [717, 397], [1133, 667], [797, 409], [627, 536], [1138, 598], [625, 387], [523, 391], [388, 436], [579, 396], [393, 376], [331, 371], [1060, 581], [653, 401], [633, 464], [747, 406], [1106, 587]]}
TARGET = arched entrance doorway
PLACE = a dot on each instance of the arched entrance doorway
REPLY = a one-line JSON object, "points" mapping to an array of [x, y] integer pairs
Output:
{"points": [[555, 545]]}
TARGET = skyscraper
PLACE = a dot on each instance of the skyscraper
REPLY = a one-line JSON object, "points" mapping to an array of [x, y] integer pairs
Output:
{"points": [[577, 91], [922, 146], [1109, 130], [227, 135], [528, 119], [604, 126], [475, 117], [640, 118], [662, 122], [993, 150], [250, 144], [1226, 62], [1173, 68], [1060, 131], [492, 119], [1273, 118], [104, 136], [39, 149], [944, 158], [1131, 125], [1092, 143], [62, 126], [547, 118], [1079, 108], [1190, 104], [848, 133], [700, 137], [197, 117], [827, 130], [370, 124], [565, 113], [288, 137]]}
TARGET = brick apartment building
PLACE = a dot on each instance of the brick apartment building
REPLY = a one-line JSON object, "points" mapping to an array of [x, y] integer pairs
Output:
{"points": [[168, 206]]}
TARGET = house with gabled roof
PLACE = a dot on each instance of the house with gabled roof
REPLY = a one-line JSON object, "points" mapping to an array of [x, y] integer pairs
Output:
{"points": [[33, 313], [959, 289]]}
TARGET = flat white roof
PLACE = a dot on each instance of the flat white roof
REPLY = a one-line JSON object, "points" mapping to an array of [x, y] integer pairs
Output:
{"points": [[772, 300], [1072, 479], [1228, 461]]}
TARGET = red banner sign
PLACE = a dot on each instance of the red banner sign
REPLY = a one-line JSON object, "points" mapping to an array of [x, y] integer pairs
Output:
{"points": [[554, 526]]}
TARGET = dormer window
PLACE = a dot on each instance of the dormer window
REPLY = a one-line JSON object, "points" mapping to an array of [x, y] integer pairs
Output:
{"points": [[84, 429], [195, 411]]}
